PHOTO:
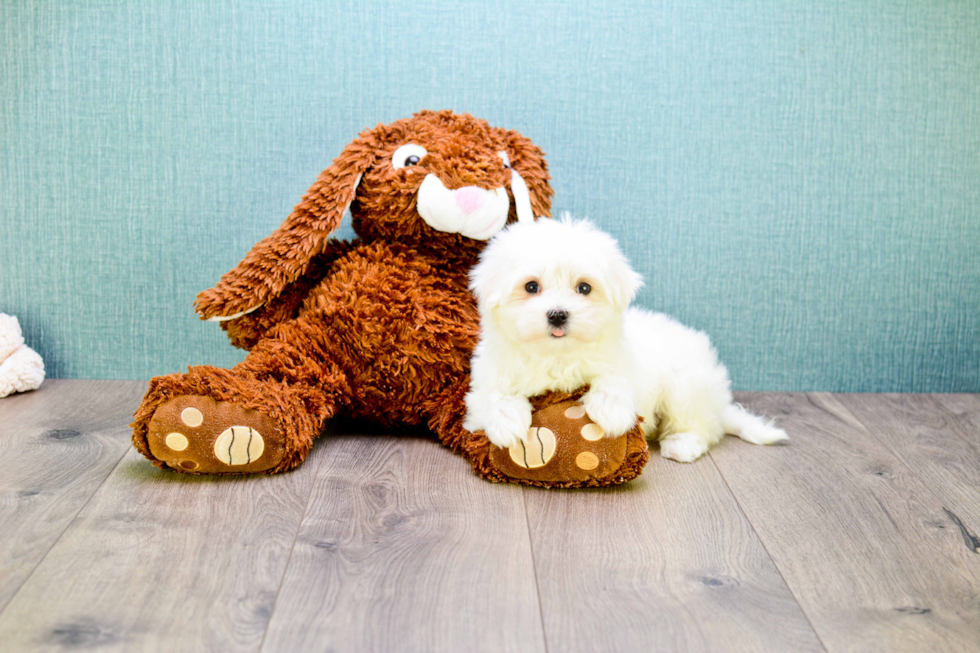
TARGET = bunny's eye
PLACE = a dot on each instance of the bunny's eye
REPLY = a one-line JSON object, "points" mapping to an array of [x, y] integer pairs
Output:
{"points": [[409, 154], [503, 155]]}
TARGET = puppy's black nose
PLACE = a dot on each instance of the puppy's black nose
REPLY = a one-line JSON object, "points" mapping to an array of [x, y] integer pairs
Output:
{"points": [[557, 318]]}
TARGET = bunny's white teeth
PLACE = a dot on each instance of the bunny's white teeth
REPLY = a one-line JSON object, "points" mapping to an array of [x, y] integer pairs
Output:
{"points": [[522, 198], [474, 212]]}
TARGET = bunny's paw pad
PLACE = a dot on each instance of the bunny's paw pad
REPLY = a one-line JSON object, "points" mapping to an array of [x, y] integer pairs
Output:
{"points": [[199, 435]]}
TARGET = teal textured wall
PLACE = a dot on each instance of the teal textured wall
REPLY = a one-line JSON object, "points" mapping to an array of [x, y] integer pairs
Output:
{"points": [[799, 179]]}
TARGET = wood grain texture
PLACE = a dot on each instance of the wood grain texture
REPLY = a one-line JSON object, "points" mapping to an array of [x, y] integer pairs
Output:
{"points": [[667, 562], [964, 413], [57, 445], [863, 543], [164, 561], [405, 549], [858, 535], [932, 441]]}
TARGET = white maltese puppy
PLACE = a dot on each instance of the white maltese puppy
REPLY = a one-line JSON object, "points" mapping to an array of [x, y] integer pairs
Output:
{"points": [[554, 312]]}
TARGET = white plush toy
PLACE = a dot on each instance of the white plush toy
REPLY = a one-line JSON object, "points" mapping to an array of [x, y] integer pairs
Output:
{"points": [[21, 368]]}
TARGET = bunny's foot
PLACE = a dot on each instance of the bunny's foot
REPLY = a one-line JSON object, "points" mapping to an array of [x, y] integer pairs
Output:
{"points": [[563, 448], [214, 421], [196, 434]]}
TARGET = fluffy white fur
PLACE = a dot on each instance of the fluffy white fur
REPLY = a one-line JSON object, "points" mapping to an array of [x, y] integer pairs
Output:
{"points": [[21, 368], [636, 362]]}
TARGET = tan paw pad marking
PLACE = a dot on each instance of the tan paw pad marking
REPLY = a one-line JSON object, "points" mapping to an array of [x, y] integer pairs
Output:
{"points": [[592, 432], [575, 412], [239, 445], [587, 460], [538, 449], [177, 441], [192, 417]]}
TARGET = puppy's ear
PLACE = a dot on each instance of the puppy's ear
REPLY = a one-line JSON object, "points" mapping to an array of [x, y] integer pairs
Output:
{"points": [[624, 282], [527, 160], [490, 279], [280, 259]]}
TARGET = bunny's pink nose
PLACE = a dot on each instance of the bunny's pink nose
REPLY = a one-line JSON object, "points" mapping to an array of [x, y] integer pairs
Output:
{"points": [[470, 198]]}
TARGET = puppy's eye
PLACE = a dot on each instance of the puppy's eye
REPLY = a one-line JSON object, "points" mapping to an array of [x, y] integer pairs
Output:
{"points": [[583, 288], [503, 155], [532, 287], [409, 154]]}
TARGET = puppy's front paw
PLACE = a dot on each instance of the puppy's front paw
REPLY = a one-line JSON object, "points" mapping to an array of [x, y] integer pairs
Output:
{"points": [[611, 406], [683, 447], [508, 421]]}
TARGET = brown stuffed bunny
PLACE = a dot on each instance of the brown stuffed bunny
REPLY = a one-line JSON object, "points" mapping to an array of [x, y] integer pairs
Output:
{"points": [[381, 327]]}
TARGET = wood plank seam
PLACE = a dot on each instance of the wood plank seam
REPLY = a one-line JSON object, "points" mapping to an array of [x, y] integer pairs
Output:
{"points": [[299, 528], [416, 559], [766, 549], [534, 566], [68, 526]]}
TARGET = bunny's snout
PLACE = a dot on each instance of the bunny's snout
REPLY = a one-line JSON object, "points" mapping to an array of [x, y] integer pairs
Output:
{"points": [[471, 211]]}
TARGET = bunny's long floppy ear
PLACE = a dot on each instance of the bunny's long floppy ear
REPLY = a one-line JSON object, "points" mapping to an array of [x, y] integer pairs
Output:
{"points": [[280, 259], [527, 160]]}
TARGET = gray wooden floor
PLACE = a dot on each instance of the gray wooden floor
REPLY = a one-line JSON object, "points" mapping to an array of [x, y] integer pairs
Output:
{"points": [[860, 535]]}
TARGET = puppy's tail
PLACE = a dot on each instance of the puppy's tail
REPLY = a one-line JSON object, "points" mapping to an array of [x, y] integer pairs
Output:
{"points": [[751, 428]]}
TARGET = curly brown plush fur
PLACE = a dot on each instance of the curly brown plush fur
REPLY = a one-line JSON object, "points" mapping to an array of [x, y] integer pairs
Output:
{"points": [[381, 327]]}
